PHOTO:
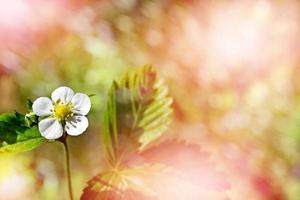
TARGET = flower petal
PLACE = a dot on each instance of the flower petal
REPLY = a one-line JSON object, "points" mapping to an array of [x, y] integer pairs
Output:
{"points": [[81, 103], [50, 128], [63, 93], [76, 125], [42, 106]]}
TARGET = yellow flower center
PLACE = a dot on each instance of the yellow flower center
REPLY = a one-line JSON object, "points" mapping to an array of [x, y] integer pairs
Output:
{"points": [[63, 111]]}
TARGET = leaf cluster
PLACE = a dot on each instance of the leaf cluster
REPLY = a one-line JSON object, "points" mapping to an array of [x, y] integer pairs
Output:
{"points": [[17, 135]]}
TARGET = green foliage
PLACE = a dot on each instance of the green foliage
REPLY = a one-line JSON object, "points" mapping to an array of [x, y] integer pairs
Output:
{"points": [[138, 107], [16, 135]]}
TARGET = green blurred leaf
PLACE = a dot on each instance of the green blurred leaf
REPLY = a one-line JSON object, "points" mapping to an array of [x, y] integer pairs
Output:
{"points": [[138, 107], [29, 104], [26, 145], [16, 136]]}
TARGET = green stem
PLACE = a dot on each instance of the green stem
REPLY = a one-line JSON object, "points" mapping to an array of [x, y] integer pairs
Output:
{"points": [[67, 154]]}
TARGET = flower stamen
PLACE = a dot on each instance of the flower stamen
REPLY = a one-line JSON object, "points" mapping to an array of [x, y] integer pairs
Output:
{"points": [[63, 111]]}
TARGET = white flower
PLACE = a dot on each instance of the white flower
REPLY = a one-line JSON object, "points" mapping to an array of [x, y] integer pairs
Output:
{"points": [[65, 113]]}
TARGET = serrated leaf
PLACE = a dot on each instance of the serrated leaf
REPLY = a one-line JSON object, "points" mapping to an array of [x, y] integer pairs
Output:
{"points": [[172, 170], [122, 183], [114, 195], [189, 159], [138, 107], [16, 136]]}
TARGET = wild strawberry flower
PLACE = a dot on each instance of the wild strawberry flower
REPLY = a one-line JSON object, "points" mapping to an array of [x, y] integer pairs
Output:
{"points": [[64, 112]]}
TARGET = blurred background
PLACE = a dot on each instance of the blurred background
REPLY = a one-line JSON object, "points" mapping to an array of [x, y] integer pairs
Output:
{"points": [[232, 67]]}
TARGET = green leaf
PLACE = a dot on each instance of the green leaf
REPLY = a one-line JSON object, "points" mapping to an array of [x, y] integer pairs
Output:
{"points": [[15, 134], [138, 107], [26, 145], [29, 104]]}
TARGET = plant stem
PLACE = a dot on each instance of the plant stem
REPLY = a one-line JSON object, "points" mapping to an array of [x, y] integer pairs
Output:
{"points": [[67, 154]]}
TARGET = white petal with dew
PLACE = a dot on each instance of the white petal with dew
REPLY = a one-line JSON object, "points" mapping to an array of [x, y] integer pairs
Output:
{"points": [[81, 103], [63, 93], [50, 128], [76, 125], [42, 106]]}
